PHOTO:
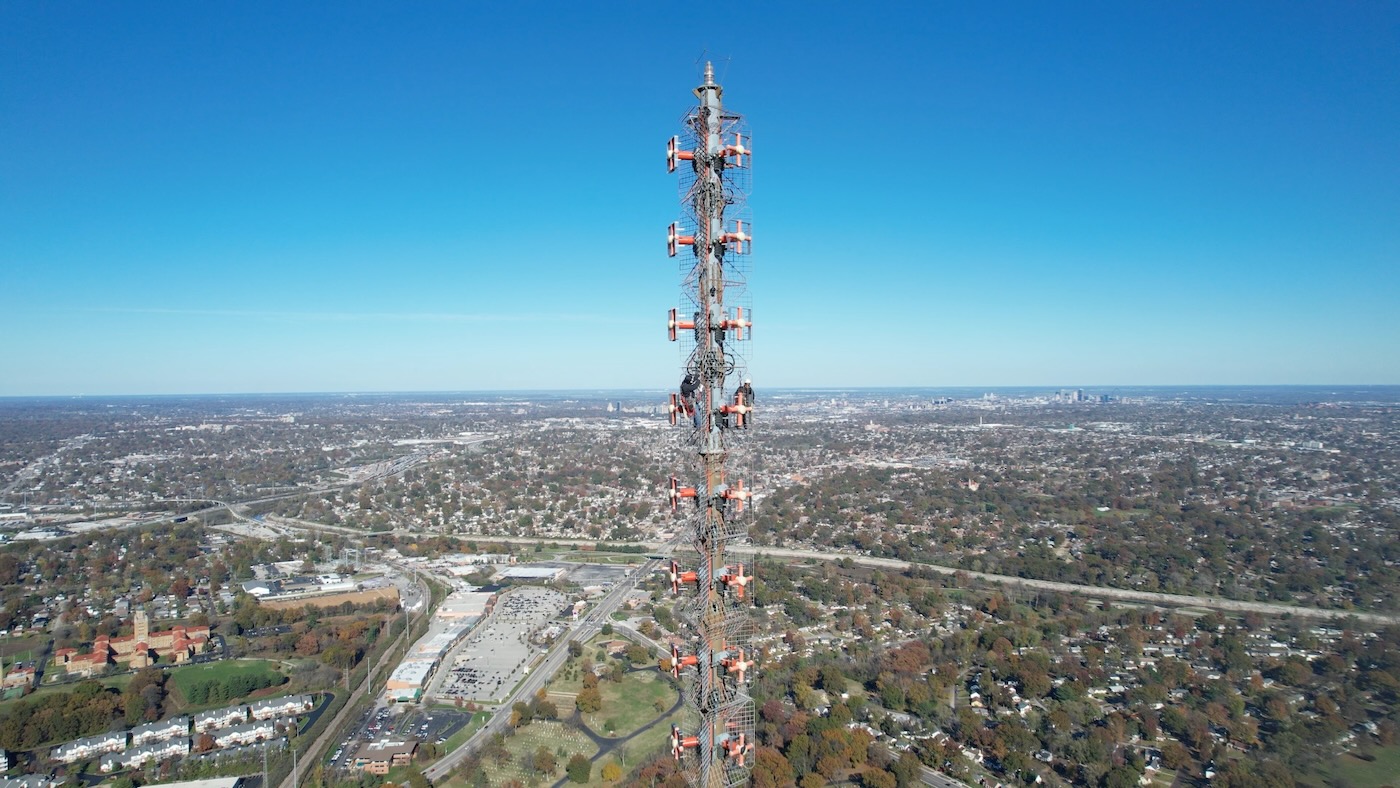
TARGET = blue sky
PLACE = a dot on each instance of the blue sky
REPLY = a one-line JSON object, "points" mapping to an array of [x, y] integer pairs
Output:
{"points": [[261, 197]]}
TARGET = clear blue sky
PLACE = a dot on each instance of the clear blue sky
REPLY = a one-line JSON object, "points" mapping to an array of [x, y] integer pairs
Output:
{"points": [[231, 197]]}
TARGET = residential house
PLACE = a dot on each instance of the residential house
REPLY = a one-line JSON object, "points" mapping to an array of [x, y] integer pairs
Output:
{"points": [[245, 734], [214, 719], [285, 706], [89, 746], [172, 728], [136, 757]]}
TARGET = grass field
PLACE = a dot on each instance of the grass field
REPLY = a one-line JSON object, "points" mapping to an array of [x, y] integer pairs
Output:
{"points": [[630, 704], [1360, 773], [572, 685], [654, 740], [335, 600], [460, 737], [20, 648], [116, 682], [187, 677]]}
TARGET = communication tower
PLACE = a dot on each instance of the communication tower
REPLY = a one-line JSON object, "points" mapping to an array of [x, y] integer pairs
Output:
{"points": [[713, 325]]}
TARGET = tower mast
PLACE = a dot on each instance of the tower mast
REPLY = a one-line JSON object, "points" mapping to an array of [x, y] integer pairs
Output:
{"points": [[714, 189]]}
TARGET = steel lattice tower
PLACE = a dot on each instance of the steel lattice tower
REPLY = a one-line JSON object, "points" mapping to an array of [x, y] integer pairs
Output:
{"points": [[713, 324]]}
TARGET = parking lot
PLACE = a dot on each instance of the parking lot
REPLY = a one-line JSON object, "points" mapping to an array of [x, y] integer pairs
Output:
{"points": [[495, 655], [399, 723], [602, 575]]}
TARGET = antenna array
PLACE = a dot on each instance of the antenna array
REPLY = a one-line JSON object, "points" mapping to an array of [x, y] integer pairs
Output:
{"points": [[713, 324]]}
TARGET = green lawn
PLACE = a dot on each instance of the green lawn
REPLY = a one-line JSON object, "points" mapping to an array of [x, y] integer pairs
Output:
{"points": [[1164, 778], [460, 737], [653, 740], [1360, 773], [557, 683], [630, 704], [116, 682], [593, 557], [14, 649], [187, 677]]}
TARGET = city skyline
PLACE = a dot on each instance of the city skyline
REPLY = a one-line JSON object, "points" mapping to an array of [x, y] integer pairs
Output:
{"points": [[273, 199]]}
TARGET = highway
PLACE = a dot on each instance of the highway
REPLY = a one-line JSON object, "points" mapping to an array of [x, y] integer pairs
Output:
{"points": [[1095, 592], [1172, 600]]}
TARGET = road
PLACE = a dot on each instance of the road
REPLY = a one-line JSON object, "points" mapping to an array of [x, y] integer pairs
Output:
{"points": [[1096, 592], [661, 649], [1172, 600], [939, 779], [585, 628]]}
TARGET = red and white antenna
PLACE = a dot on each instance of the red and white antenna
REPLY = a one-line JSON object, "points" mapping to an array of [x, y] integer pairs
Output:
{"points": [[713, 325]]}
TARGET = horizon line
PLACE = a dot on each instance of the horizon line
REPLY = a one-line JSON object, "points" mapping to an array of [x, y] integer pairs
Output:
{"points": [[599, 390]]}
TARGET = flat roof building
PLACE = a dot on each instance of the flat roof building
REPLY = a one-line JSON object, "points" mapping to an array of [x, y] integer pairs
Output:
{"points": [[377, 757]]}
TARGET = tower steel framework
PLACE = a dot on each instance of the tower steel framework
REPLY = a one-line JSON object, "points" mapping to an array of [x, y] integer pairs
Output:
{"points": [[713, 324]]}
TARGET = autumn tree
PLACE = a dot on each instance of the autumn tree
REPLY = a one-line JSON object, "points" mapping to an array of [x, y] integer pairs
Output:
{"points": [[612, 771], [589, 700], [579, 769], [544, 761]]}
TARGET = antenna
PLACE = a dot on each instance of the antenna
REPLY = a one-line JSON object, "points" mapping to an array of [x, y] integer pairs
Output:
{"points": [[714, 325]]}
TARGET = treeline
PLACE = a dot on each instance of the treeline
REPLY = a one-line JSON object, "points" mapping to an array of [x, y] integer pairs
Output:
{"points": [[248, 615], [88, 709], [605, 547], [230, 688]]}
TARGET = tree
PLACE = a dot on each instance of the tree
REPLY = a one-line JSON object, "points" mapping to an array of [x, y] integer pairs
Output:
{"points": [[579, 769], [544, 761], [907, 769], [308, 645], [612, 771], [771, 769], [1121, 777], [638, 654], [1174, 755], [589, 700]]}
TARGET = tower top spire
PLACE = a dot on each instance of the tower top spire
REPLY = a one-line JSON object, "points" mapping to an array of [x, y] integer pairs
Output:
{"points": [[709, 83]]}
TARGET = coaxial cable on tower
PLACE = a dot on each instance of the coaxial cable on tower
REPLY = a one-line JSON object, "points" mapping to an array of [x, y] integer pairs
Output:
{"points": [[714, 324]]}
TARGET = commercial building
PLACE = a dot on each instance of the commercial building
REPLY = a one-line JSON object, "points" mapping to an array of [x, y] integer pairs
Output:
{"points": [[465, 605], [533, 573], [379, 756], [406, 683]]}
